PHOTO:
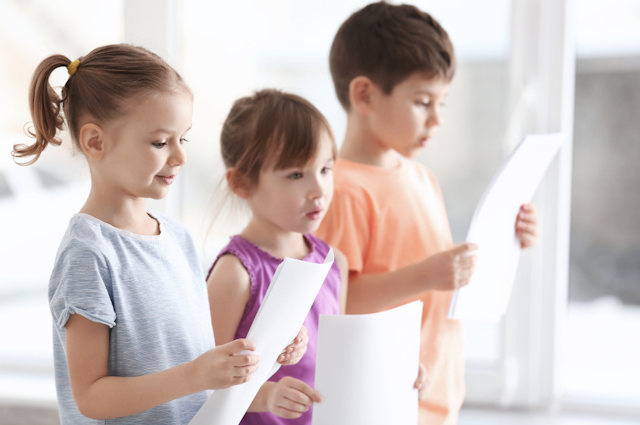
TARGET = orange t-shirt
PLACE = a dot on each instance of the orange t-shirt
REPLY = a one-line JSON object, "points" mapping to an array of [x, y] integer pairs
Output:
{"points": [[386, 219]]}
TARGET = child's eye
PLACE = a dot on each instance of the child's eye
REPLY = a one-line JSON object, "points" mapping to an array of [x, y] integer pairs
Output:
{"points": [[159, 145], [183, 140], [325, 170], [425, 104], [295, 176]]}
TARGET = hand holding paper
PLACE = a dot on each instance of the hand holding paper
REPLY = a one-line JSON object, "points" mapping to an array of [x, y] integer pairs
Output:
{"points": [[286, 304], [451, 269], [294, 352], [289, 397], [528, 226], [224, 366], [492, 228]]}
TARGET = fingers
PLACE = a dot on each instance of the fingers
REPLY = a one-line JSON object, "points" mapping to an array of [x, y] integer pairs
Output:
{"points": [[239, 345], [292, 398], [294, 352], [305, 389], [530, 207], [287, 409], [465, 248], [244, 360], [527, 240], [242, 375], [422, 383], [527, 227]]}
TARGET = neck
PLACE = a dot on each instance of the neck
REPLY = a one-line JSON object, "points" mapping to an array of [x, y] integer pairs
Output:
{"points": [[119, 209], [276, 241], [362, 146]]}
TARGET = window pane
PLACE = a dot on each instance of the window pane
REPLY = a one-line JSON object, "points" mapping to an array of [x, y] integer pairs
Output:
{"points": [[604, 297]]}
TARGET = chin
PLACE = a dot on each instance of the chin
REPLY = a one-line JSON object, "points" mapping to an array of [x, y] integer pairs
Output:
{"points": [[309, 228], [413, 153], [157, 195]]}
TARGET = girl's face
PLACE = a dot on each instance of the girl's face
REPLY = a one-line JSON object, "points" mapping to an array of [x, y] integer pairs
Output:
{"points": [[296, 199], [144, 150]]}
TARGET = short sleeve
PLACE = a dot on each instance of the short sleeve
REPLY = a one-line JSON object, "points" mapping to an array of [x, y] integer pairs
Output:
{"points": [[80, 284], [346, 226]]}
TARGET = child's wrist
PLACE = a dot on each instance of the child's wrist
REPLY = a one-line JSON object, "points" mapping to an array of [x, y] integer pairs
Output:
{"points": [[196, 383], [261, 401]]}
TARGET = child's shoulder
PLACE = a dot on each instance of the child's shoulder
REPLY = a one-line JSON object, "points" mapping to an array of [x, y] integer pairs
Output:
{"points": [[358, 180], [422, 171], [84, 232]]}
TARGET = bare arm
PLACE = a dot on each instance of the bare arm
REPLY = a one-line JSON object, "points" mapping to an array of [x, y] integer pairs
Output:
{"points": [[229, 287], [100, 396], [343, 265], [229, 290], [445, 271]]}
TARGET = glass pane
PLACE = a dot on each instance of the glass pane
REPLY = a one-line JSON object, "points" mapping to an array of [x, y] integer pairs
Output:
{"points": [[604, 297], [232, 48], [45, 195]]}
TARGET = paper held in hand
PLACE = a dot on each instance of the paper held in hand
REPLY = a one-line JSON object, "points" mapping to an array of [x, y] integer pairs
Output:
{"points": [[291, 294], [486, 296], [367, 366]]}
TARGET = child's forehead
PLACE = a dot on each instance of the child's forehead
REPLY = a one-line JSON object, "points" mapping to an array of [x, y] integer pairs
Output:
{"points": [[324, 152], [422, 83]]}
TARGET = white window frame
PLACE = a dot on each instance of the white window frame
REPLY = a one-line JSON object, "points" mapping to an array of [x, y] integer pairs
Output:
{"points": [[542, 85]]}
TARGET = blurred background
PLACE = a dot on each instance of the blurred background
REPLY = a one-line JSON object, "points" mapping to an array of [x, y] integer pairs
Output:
{"points": [[566, 353]]}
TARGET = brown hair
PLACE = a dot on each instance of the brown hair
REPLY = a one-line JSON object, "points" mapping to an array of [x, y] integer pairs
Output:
{"points": [[387, 43], [270, 127], [105, 78]]}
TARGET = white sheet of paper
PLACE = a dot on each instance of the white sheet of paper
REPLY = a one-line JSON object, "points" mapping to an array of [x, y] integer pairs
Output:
{"points": [[366, 367], [291, 294], [493, 229]]}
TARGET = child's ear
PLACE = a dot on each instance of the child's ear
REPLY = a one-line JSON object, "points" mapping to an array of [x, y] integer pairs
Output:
{"points": [[91, 140], [237, 183], [361, 90]]}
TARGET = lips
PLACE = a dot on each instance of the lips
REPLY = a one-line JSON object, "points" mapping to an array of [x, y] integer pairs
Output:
{"points": [[315, 214], [168, 180], [424, 141]]}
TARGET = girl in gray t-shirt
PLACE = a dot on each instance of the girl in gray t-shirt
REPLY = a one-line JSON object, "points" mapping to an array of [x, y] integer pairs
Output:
{"points": [[133, 341]]}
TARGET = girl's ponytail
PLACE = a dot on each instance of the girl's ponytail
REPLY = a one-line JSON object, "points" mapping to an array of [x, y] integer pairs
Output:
{"points": [[99, 84], [46, 110]]}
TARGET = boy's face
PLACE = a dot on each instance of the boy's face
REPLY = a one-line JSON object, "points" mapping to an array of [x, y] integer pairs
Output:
{"points": [[407, 118]]}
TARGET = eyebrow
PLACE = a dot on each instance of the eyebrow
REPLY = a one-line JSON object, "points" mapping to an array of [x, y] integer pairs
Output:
{"points": [[165, 131], [430, 93]]}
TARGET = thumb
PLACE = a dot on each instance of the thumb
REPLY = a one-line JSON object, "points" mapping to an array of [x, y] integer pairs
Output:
{"points": [[304, 388], [465, 249], [239, 345]]}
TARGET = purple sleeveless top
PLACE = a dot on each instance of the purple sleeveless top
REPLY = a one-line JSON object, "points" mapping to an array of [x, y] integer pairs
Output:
{"points": [[261, 267]]}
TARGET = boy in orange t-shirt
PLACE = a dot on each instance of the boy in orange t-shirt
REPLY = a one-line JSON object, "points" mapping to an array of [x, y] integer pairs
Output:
{"points": [[391, 67]]}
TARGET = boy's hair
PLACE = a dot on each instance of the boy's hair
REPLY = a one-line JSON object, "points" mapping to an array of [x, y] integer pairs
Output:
{"points": [[270, 128], [97, 87], [387, 43]]}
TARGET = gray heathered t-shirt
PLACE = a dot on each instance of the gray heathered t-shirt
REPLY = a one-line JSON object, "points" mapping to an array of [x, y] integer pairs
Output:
{"points": [[151, 292]]}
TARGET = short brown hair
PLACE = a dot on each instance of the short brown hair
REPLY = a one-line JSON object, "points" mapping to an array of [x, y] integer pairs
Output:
{"points": [[387, 43], [270, 127], [105, 78]]}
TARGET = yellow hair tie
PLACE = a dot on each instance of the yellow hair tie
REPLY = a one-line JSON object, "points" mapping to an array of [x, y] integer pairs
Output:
{"points": [[73, 66]]}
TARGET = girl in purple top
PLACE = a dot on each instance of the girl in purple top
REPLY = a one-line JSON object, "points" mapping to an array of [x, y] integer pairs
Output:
{"points": [[278, 150]]}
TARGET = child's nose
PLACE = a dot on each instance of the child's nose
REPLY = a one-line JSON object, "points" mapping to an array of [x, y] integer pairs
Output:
{"points": [[435, 118], [317, 189], [178, 155]]}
